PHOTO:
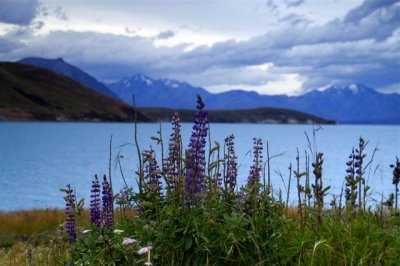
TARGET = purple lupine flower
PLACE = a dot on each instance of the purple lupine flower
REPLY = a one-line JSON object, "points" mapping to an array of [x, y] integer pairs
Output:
{"points": [[195, 157], [255, 169], [219, 181], [107, 205], [70, 226], [152, 174], [231, 164], [95, 203], [347, 194], [172, 162]]}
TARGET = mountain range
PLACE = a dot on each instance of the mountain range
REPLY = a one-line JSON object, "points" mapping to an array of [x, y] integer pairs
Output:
{"points": [[31, 93], [355, 103]]}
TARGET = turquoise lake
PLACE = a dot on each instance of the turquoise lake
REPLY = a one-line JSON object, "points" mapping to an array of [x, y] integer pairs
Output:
{"points": [[37, 159]]}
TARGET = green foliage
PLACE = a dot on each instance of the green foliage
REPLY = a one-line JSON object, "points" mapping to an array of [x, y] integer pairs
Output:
{"points": [[249, 227], [243, 226]]}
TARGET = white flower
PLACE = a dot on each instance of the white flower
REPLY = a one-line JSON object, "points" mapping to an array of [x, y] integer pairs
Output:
{"points": [[118, 231], [86, 231], [144, 250]]}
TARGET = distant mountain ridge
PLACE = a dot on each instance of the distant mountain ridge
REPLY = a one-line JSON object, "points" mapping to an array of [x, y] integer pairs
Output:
{"points": [[30, 93], [63, 68], [256, 115], [355, 103]]}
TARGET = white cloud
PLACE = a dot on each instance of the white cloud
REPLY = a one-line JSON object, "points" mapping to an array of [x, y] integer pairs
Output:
{"points": [[289, 84]]}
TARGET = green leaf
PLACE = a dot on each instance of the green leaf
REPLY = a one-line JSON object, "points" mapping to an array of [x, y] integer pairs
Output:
{"points": [[188, 243], [245, 189], [213, 165], [146, 204], [214, 149], [156, 139], [326, 189]]}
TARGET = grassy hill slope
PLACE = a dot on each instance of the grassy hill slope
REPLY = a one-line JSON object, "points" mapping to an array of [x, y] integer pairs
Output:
{"points": [[29, 93]]}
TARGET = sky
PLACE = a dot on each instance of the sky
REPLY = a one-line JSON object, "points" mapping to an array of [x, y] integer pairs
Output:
{"points": [[270, 46]]}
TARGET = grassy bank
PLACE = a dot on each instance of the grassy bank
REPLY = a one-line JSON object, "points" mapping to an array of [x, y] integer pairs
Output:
{"points": [[215, 235]]}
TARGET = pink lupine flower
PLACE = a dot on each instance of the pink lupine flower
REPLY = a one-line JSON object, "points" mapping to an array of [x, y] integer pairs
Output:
{"points": [[144, 250], [128, 241]]}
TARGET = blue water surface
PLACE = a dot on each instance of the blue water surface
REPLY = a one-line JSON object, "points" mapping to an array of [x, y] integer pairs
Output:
{"points": [[37, 159]]}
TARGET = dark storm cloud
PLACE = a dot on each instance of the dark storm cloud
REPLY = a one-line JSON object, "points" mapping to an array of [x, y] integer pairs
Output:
{"points": [[20, 12], [367, 8], [341, 50]]}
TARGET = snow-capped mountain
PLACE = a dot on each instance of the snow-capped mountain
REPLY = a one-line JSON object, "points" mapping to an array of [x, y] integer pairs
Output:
{"points": [[354, 103], [150, 92]]}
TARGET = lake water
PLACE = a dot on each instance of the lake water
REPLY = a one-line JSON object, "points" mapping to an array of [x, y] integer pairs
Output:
{"points": [[36, 159]]}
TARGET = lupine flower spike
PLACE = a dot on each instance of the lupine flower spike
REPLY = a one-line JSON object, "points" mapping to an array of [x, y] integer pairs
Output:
{"points": [[95, 203], [351, 183], [255, 169], [70, 227], [152, 174], [195, 158], [172, 162], [107, 205], [231, 171]]}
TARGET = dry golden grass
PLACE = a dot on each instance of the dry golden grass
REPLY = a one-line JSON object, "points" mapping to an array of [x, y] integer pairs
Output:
{"points": [[23, 225], [26, 254], [33, 222]]}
